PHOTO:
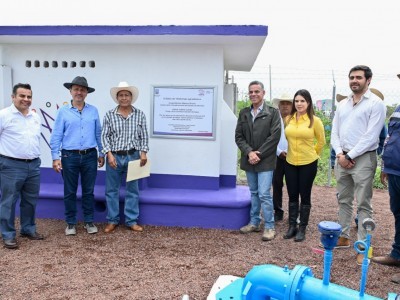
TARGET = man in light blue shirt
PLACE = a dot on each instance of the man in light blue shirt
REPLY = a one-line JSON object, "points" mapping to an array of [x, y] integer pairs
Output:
{"points": [[76, 135]]}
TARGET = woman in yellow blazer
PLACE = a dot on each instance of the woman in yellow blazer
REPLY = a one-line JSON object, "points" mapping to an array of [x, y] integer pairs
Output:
{"points": [[305, 135]]}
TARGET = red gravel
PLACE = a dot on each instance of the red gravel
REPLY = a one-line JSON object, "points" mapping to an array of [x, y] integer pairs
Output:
{"points": [[168, 262]]}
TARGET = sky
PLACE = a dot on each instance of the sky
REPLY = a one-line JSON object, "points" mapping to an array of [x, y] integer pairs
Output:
{"points": [[310, 42]]}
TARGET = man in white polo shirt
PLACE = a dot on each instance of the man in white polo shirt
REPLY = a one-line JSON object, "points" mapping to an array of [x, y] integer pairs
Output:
{"points": [[19, 166]]}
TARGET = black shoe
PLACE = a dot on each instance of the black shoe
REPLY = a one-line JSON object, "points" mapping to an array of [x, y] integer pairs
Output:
{"points": [[33, 236], [291, 232], [10, 244], [301, 234]]}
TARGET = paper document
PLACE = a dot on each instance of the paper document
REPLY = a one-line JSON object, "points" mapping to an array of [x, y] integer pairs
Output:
{"points": [[135, 171]]}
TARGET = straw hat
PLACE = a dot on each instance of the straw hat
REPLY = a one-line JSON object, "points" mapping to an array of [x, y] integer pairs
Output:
{"points": [[378, 93], [340, 97], [283, 97], [124, 86]]}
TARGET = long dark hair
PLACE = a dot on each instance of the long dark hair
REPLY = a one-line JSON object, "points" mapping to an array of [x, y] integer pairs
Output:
{"points": [[310, 109]]}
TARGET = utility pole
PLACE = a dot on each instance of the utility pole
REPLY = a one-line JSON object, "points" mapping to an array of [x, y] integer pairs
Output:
{"points": [[270, 84], [331, 117]]}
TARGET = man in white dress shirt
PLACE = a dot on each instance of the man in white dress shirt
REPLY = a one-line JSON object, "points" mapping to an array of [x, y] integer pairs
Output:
{"points": [[355, 136], [19, 166]]}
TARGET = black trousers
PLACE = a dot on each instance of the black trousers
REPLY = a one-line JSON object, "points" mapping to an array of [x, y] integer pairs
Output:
{"points": [[299, 181], [277, 185]]}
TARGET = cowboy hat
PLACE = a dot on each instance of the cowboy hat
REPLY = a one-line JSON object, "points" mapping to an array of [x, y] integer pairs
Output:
{"points": [[284, 97], [124, 86], [79, 80], [340, 97], [378, 93]]}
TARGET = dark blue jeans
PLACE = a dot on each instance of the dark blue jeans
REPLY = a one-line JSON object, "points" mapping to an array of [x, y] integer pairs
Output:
{"points": [[85, 165], [18, 180], [394, 193]]}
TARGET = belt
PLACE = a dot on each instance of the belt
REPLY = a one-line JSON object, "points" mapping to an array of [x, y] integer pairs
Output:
{"points": [[19, 159], [82, 152], [345, 152], [124, 152]]}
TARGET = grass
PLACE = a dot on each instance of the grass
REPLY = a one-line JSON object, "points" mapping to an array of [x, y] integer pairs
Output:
{"points": [[322, 178]]}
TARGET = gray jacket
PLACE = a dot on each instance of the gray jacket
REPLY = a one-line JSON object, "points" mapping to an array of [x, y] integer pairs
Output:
{"points": [[261, 135]]}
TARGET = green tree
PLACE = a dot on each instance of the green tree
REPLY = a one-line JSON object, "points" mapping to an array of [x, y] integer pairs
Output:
{"points": [[390, 109]]}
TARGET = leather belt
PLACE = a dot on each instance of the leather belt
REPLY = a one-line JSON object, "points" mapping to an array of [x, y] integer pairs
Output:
{"points": [[82, 152], [19, 159], [345, 152], [124, 152]]}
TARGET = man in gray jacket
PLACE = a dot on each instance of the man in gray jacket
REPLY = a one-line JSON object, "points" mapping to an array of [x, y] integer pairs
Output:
{"points": [[258, 131]]}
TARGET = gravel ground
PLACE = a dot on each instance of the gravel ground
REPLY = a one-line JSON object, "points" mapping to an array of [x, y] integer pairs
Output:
{"points": [[168, 262]]}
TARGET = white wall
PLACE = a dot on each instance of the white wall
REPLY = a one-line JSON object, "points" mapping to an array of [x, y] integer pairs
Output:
{"points": [[142, 66]]}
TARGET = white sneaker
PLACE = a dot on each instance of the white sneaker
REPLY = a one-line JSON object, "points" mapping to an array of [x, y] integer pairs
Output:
{"points": [[250, 228], [90, 228], [70, 230], [269, 234]]}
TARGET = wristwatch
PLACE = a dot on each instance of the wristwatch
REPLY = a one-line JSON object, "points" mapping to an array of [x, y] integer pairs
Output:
{"points": [[347, 157]]}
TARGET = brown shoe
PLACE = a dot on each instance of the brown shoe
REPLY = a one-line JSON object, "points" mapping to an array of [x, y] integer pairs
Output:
{"points": [[342, 243], [396, 278], [110, 228], [136, 227], [359, 259], [386, 260]]}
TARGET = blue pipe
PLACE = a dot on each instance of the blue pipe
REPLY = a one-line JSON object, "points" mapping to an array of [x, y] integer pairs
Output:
{"points": [[330, 232], [271, 282]]}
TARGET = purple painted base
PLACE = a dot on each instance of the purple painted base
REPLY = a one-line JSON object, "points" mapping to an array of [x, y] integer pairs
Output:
{"points": [[225, 207]]}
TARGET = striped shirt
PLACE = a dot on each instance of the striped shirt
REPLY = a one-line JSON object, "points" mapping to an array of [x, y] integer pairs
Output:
{"points": [[121, 133]]}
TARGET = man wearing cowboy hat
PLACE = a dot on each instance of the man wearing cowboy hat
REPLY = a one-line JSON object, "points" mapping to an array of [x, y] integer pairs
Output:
{"points": [[391, 175], [75, 137], [125, 138], [355, 134], [284, 104]]}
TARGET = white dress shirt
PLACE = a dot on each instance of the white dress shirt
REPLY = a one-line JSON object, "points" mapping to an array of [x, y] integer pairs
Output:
{"points": [[283, 144], [356, 128], [19, 134]]}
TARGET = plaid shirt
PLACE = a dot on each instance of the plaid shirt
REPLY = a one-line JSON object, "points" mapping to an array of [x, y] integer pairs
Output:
{"points": [[121, 133]]}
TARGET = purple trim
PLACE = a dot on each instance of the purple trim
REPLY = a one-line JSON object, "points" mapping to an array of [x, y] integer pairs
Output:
{"points": [[48, 176], [227, 30], [226, 208], [183, 182]]}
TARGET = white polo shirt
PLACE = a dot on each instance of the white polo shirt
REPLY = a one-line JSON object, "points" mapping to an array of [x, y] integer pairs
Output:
{"points": [[19, 134]]}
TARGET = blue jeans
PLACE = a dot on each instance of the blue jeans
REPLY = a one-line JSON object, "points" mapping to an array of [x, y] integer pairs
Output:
{"points": [[85, 165], [18, 180], [394, 193], [260, 190], [113, 184]]}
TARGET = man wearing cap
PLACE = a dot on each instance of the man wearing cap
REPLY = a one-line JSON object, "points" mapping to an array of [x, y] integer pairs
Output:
{"points": [[75, 137], [125, 138], [391, 175], [19, 166], [355, 135], [284, 104], [257, 135]]}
